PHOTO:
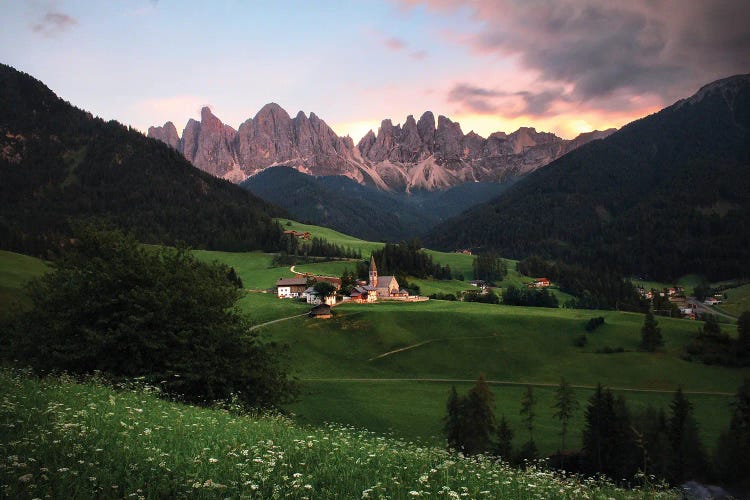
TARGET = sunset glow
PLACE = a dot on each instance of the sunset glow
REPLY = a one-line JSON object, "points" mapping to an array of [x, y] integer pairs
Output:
{"points": [[564, 67]]}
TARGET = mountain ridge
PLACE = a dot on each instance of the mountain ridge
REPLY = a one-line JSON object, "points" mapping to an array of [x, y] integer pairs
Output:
{"points": [[664, 196], [59, 165], [416, 155]]}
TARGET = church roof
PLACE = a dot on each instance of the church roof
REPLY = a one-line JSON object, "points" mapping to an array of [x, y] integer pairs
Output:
{"points": [[373, 267]]}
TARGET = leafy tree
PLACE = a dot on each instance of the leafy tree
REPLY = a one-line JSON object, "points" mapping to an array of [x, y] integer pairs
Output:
{"points": [[111, 305], [348, 281], [565, 406], [324, 289], [651, 338], [504, 446], [688, 455], [528, 413]]}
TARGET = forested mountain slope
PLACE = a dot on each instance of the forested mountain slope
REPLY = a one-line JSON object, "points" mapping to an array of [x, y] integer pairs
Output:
{"points": [[59, 164], [666, 195]]}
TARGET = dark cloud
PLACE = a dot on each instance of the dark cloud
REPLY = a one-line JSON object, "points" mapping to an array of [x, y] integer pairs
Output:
{"points": [[598, 49], [54, 23], [487, 101], [476, 99]]}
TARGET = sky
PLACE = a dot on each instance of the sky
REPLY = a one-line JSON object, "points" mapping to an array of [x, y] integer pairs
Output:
{"points": [[563, 66]]}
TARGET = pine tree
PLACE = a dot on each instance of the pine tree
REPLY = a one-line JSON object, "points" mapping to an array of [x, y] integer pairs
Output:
{"points": [[566, 405], [452, 420], [478, 418], [527, 411], [504, 446], [688, 456], [651, 338], [743, 335]]}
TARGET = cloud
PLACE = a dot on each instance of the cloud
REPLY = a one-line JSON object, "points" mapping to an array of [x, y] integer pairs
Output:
{"points": [[418, 54], [483, 100], [53, 24], [394, 43], [591, 51]]}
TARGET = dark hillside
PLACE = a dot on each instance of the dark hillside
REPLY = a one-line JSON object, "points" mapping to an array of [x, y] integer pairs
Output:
{"points": [[666, 195], [59, 164], [364, 211]]}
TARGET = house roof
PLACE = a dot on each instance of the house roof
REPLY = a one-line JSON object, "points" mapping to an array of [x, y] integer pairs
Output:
{"points": [[291, 281], [321, 309]]}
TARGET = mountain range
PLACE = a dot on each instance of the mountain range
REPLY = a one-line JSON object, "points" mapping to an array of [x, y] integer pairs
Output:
{"points": [[664, 196], [418, 155]]}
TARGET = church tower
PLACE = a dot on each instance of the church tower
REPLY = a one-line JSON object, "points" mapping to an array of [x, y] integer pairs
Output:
{"points": [[373, 273]]}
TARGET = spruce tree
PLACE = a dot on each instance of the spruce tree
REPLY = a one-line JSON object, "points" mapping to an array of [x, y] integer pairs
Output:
{"points": [[651, 338], [504, 446], [743, 335], [452, 421], [688, 456], [527, 411], [566, 405], [478, 418]]}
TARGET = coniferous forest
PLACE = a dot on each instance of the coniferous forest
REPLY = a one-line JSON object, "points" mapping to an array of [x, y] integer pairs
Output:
{"points": [[59, 164]]}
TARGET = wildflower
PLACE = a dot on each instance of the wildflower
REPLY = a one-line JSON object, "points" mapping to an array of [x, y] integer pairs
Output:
{"points": [[26, 478], [213, 460]]}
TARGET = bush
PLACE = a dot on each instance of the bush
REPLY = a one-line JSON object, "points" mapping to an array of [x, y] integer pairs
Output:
{"points": [[110, 305], [581, 340], [594, 323]]}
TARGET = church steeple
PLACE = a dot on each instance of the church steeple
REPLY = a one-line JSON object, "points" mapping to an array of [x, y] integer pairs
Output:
{"points": [[373, 272]]}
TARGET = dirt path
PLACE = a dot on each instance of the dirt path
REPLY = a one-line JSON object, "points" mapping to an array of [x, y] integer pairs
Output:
{"points": [[276, 321], [425, 342], [511, 383]]}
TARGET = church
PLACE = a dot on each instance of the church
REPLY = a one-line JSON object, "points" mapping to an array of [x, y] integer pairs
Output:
{"points": [[378, 287]]}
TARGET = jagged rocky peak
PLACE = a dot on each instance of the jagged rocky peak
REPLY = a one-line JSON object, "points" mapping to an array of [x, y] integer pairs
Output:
{"points": [[425, 153], [166, 133]]}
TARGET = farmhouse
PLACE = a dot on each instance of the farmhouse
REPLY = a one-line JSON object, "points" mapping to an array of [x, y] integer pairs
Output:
{"points": [[540, 283], [364, 293], [287, 288], [322, 311], [303, 235]]}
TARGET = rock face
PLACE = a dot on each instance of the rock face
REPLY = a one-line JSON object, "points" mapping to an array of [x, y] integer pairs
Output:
{"points": [[415, 155]]}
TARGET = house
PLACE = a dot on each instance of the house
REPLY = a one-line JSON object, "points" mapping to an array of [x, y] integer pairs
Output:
{"points": [[312, 297], [287, 288], [363, 293], [322, 311], [304, 235], [711, 301], [540, 283], [478, 283]]}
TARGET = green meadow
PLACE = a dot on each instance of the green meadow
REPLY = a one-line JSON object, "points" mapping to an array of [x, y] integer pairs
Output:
{"points": [[349, 376], [388, 367], [61, 439], [15, 270]]}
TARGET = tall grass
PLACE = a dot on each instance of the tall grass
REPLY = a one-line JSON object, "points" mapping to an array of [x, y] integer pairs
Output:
{"points": [[64, 439]]}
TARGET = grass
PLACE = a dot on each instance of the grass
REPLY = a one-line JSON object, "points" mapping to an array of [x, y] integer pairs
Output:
{"points": [[15, 271], [255, 268], [366, 247], [84, 440], [263, 307], [738, 300], [456, 341]]}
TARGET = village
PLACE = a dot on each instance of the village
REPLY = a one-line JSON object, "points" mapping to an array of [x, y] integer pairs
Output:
{"points": [[375, 288]]}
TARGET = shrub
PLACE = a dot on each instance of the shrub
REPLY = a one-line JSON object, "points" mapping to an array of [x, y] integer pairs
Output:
{"points": [[110, 305], [580, 340]]}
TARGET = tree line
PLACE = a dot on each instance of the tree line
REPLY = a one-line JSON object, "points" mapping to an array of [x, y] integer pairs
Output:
{"points": [[615, 440]]}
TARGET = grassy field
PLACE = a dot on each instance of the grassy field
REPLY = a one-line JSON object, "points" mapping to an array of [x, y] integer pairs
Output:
{"points": [[738, 300], [448, 342], [83, 440], [15, 271]]}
